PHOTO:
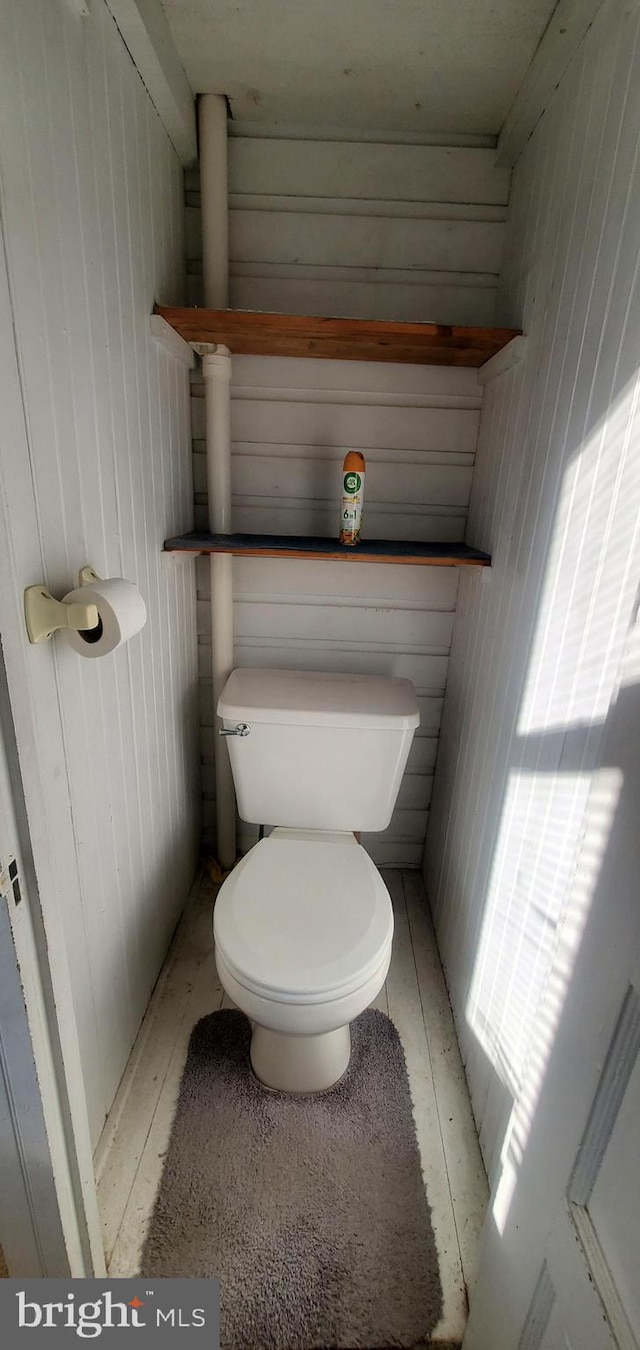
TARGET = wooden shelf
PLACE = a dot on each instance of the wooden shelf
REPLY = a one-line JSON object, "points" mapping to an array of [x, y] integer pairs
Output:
{"points": [[329, 550], [254, 334]]}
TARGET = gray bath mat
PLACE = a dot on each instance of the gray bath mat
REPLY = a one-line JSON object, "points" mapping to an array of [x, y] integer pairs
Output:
{"points": [[311, 1210]]}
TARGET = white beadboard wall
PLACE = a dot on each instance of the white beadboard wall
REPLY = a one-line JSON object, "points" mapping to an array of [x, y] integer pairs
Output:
{"points": [[292, 422], [93, 218], [372, 230], [537, 645], [383, 231]]}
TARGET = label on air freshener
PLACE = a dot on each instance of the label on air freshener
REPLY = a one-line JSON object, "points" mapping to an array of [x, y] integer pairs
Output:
{"points": [[351, 507]]}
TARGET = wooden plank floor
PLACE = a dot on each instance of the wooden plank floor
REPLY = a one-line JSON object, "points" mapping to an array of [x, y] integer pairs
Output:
{"points": [[131, 1150]]}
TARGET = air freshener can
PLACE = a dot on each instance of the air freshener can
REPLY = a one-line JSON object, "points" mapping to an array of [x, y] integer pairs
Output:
{"points": [[352, 497]]}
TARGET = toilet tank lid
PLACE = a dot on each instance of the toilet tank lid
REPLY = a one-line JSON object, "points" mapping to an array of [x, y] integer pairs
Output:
{"points": [[315, 698]]}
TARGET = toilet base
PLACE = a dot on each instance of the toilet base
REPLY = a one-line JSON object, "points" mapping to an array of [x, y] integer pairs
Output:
{"points": [[300, 1064]]}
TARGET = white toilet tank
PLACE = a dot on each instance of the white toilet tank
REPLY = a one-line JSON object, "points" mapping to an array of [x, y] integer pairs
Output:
{"points": [[323, 752]]}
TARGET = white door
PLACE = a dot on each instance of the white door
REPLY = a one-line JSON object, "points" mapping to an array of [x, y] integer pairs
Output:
{"points": [[33, 814], [31, 1229], [561, 1262]]}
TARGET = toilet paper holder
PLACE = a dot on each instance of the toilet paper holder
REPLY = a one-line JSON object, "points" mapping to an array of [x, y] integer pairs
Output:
{"points": [[44, 615]]}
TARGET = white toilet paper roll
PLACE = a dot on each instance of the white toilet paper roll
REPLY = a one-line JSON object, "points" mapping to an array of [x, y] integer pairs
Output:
{"points": [[121, 610]]}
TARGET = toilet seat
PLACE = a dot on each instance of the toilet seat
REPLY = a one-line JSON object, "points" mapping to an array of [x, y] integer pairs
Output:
{"points": [[304, 918]]}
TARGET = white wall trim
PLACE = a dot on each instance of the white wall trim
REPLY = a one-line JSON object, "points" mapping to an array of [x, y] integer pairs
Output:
{"points": [[361, 398], [504, 360], [602, 1278], [370, 207], [621, 1058], [147, 36], [377, 276], [277, 642], [540, 1309], [562, 37], [30, 1221], [167, 337], [283, 131]]}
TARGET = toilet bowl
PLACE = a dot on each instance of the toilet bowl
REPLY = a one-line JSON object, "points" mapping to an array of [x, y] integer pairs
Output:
{"points": [[303, 930], [303, 925]]}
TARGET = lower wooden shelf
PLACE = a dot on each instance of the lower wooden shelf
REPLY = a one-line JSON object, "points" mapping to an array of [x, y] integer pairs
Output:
{"points": [[329, 550]]}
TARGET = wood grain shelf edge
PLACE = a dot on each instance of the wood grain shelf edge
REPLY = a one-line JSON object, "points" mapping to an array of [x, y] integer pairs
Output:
{"points": [[252, 333]]}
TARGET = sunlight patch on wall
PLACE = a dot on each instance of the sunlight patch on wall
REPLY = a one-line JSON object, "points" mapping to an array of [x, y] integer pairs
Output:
{"points": [[533, 861], [589, 581], [559, 802], [600, 812]]}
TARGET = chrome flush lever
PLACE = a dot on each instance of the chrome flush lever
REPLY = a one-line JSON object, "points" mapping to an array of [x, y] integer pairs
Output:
{"points": [[240, 730]]}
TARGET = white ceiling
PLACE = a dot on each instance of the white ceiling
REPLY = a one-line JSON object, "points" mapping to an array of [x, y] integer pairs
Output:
{"points": [[400, 65]]}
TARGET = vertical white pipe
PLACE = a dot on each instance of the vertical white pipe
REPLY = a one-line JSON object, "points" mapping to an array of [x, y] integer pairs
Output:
{"points": [[216, 369], [212, 114]]}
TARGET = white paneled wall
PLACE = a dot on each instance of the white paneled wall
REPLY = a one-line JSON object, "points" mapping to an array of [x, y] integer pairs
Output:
{"points": [[376, 231], [537, 645], [363, 229], [292, 422], [372, 230], [93, 219]]}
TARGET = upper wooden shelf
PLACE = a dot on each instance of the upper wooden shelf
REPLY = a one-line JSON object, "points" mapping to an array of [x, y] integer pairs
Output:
{"points": [[254, 334], [414, 553]]}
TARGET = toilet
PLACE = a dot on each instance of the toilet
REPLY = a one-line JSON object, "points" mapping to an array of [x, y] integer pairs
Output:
{"points": [[303, 925]]}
